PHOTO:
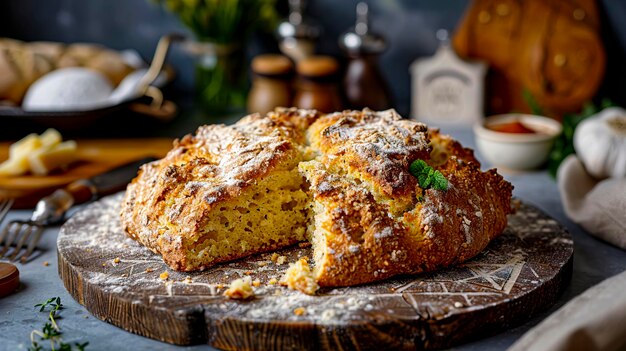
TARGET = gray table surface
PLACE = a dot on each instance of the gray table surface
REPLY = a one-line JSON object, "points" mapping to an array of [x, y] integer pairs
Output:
{"points": [[594, 261]]}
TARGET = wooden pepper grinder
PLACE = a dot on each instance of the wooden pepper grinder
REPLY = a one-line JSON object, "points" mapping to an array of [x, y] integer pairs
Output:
{"points": [[363, 84], [316, 86], [271, 85]]}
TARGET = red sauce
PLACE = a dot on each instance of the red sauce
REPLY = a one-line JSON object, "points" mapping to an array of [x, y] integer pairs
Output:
{"points": [[512, 127]]}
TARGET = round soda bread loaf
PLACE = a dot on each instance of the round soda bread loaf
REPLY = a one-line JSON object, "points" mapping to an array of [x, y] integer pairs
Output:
{"points": [[340, 181]]}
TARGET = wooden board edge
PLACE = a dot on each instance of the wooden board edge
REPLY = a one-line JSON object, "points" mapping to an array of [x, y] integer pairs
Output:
{"points": [[414, 334], [230, 334], [186, 327]]}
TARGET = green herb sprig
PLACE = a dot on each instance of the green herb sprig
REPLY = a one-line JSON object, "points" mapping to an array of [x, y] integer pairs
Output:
{"points": [[51, 330], [224, 21], [564, 144], [427, 177]]}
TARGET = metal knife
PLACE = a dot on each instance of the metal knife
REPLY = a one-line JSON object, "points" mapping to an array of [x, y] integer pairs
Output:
{"points": [[51, 209]]}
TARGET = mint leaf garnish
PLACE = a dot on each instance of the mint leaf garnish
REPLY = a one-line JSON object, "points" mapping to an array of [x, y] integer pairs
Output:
{"points": [[427, 177]]}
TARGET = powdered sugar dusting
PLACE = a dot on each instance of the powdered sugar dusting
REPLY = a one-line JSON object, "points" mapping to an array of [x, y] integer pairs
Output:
{"points": [[384, 143]]}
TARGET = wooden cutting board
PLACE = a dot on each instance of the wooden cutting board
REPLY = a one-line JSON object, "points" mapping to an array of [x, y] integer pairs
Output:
{"points": [[520, 274], [95, 157]]}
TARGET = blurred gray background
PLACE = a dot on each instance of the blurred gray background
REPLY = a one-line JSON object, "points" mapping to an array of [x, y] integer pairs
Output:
{"points": [[408, 25]]}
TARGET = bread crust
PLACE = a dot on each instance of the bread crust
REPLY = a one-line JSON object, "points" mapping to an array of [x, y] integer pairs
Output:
{"points": [[376, 219]]}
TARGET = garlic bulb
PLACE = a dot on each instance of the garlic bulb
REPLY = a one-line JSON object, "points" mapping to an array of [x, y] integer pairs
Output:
{"points": [[600, 142]]}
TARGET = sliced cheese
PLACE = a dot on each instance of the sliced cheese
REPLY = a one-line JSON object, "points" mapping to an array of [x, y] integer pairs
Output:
{"points": [[14, 167], [50, 138], [17, 164], [38, 154], [24, 146], [45, 160]]}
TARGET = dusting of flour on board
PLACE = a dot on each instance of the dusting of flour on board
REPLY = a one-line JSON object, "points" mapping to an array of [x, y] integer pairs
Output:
{"points": [[94, 243]]}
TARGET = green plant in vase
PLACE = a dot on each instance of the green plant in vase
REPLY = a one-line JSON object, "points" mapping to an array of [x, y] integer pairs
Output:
{"points": [[222, 28]]}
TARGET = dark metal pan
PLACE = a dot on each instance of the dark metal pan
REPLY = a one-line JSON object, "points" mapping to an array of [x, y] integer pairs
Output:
{"points": [[149, 104]]}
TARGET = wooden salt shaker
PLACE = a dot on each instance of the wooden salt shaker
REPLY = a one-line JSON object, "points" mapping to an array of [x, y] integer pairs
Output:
{"points": [[316, 86], [271, 85]]}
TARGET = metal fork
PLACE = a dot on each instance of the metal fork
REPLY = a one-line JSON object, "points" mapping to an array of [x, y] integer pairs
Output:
{"points": [[52, 209], [5, 206], [19, 232]]}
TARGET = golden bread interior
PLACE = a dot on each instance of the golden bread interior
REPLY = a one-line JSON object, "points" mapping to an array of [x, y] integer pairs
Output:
{"points": [[270, 215]]}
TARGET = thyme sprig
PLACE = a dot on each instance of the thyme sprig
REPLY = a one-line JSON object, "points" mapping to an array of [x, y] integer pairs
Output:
{"points": [[51, 330]]}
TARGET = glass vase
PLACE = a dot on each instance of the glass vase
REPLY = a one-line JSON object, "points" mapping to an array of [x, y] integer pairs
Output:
{"points": [[221, 78]]}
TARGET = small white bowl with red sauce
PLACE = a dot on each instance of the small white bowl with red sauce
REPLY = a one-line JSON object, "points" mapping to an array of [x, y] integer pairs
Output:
{"points": [[516, 141]]}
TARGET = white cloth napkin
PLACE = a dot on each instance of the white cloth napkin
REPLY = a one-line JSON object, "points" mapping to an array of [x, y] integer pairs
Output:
{"points": [[593, 321], [599, 206], [596, 319]]}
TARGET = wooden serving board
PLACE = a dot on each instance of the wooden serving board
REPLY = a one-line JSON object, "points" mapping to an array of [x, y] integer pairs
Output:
{"points": [[94, 157], [520, 274]]}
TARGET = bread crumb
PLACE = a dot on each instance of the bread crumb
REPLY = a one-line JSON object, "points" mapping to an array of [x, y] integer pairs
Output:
{"points": [[240, 289], [46, 263], [272, 281], [261, 263], [116, 260], [299, 277], [256, 283], [104, 264], [124, 275], [458, 304], [274, 257], [248, 272], [219, 286], [148, 270], [188, 280], [281, 260], [299, 311], [164, 275], [516, 204]]}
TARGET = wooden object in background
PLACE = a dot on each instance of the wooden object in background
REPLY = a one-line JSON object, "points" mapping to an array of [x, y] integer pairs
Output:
{"points": [[518, 275], [271, 84], [316, 86], [9, 278], [94, 157], [550, 48]]}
